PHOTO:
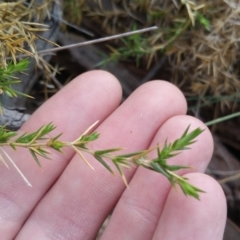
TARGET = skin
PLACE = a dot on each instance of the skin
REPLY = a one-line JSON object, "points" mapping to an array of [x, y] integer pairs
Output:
{"points": [[69, 200]]}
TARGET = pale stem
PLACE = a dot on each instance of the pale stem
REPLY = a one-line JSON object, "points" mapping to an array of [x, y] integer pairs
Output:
{"points": [[15, 166]]}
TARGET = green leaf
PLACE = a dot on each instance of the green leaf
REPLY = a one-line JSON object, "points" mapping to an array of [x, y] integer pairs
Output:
{"points": [[13, 147], [35, 158], [185, 132], [41, 152], [91, 137], [10, 93], [104, 163], [6, 135], [175, 167], [203, 21], [102, 152], [85, 139], [128, 155], [120, 172], [7, 78], [42, 131], [57, 137], [187, 138], [190, 190], [57, 145], [26, 138], [156, 167], [122, 161], [46, 129]]}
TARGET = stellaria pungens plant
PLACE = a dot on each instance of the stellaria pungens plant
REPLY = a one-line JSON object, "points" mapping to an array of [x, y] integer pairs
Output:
{"points": [[39, 145]]}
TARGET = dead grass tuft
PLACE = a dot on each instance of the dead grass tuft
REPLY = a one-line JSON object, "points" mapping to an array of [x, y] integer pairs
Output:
{"points": [[200, 38], [19, 28]]}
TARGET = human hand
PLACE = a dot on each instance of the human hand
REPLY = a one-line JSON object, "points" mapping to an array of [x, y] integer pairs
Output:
{"points": [[69, 200]]}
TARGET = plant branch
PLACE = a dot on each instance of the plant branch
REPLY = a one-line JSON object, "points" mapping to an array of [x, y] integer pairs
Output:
{"points": [[38, 143]]}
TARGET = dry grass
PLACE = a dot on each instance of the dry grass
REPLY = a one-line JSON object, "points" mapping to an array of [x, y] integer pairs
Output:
{"points": [[73, 10], [208, 60], [19, 28], [200, 38]]}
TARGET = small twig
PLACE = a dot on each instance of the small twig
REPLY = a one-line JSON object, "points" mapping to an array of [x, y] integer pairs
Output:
{"points": [[229, 179], [50, 50], [222, 173]]}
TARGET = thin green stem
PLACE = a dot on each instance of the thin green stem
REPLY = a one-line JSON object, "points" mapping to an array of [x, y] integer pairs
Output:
{"points": [[222, 119]]}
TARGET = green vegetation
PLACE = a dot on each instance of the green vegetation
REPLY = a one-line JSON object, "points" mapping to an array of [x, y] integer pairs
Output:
{"points": [[38, 144]]}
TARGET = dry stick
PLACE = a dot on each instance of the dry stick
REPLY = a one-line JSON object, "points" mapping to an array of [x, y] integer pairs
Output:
{"points": [[93, 41], [223, 173], [229, 179]]}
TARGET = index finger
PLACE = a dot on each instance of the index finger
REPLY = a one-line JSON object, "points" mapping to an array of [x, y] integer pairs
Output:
{"points": [[90, 97]]}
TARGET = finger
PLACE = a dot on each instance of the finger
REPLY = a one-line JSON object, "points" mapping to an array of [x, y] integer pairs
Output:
{"points": [[187, 218], [90, 97], [141, 205], [85, 197]]}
